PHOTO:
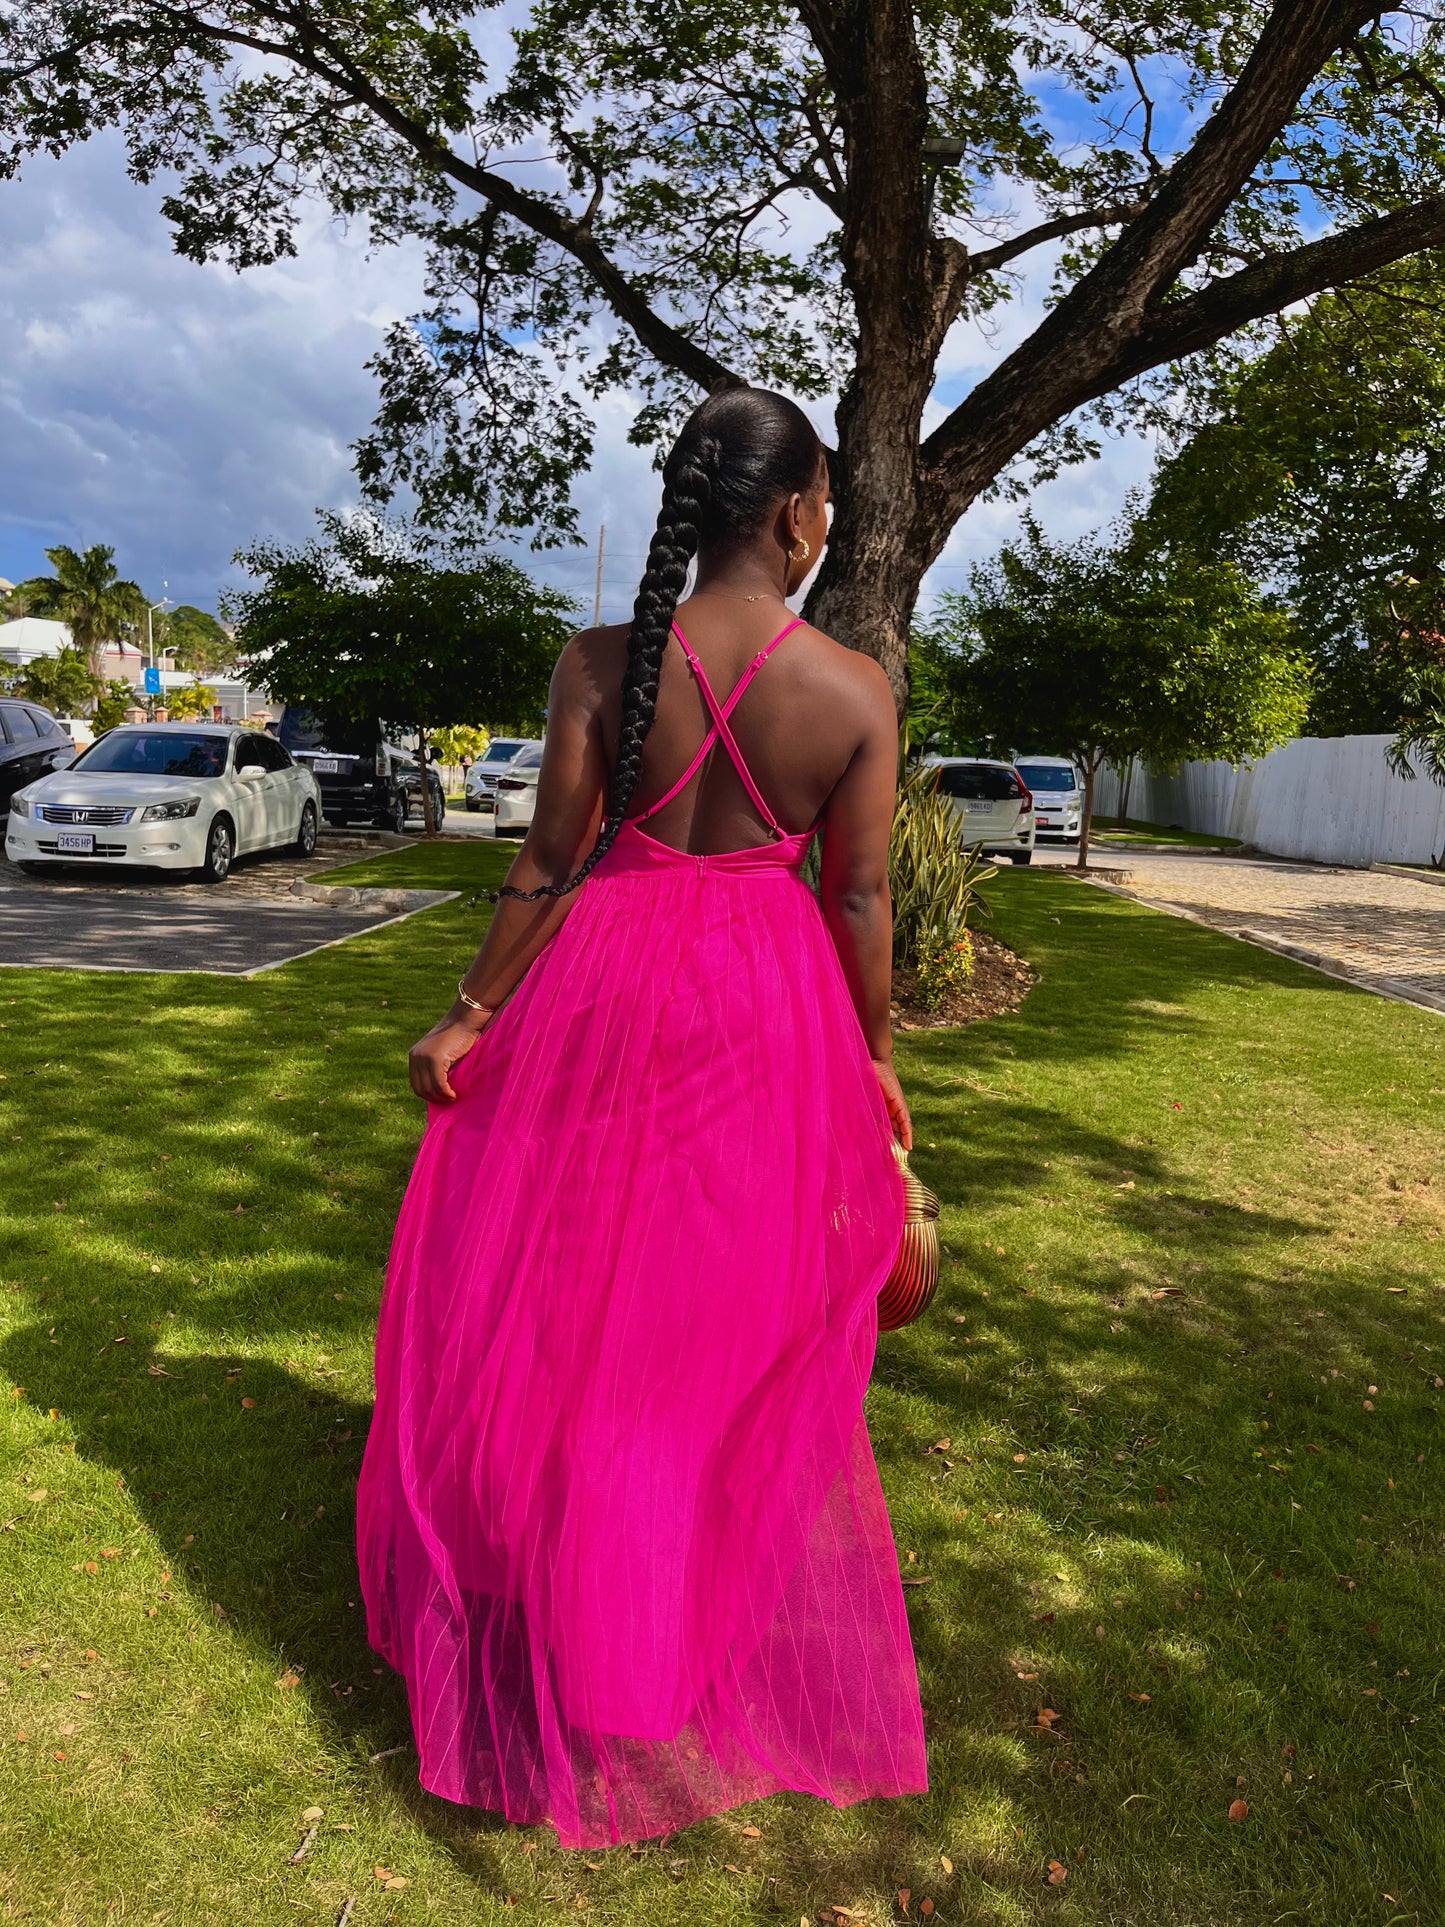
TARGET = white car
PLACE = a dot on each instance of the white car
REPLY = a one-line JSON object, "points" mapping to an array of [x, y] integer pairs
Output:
{"points": [[516, 793], [1058, 793], [480, 787], [175, 796], [994, 806]]}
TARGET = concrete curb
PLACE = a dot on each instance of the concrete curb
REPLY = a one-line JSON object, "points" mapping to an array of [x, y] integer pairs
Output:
{"points": [[362, 897], [1435, 878]]}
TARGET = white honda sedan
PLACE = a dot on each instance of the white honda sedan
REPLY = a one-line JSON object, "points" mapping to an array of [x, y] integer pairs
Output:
{"points": [[173, 796]]}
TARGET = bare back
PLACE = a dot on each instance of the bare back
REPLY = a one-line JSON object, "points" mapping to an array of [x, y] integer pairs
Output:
{"points": [[800, 723]]}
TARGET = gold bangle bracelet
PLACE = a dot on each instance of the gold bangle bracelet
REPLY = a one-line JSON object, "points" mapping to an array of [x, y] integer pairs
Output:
{"points": [[471, 1002]]}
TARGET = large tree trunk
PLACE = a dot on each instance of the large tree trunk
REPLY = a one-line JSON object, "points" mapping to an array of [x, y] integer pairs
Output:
{"points": [[869, 581], [906, 287]]}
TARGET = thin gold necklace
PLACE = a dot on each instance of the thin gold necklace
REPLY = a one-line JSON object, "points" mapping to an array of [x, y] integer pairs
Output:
{"points": [[736, 595]]}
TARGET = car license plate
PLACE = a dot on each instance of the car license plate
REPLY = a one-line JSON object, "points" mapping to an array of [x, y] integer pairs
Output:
{"points": [[76, 843], [326, 766], [973, 807], [486, 803]]}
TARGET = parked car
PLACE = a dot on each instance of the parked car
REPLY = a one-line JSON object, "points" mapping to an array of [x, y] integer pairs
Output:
{"points": [[481, 784], [32, 743], [173, 796], [516, 792], [995, 808], [1058, 793], [366, 774]]}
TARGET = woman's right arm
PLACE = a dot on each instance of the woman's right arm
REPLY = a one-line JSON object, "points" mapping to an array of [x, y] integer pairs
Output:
{"points": [[856, 904]]}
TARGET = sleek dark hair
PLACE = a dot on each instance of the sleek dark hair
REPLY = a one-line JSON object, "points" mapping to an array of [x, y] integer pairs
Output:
{"points": [[739, 454]]}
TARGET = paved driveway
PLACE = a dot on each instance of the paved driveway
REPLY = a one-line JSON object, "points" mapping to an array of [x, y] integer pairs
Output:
{"points": [[1381, 929], [103, 930], [142, 920]]}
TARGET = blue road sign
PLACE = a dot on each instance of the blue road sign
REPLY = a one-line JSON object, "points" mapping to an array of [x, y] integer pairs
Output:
{"points": [[153, 682]]}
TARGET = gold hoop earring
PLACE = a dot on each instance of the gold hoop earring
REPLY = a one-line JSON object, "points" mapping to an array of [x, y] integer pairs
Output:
{"points": [[800, 550]]}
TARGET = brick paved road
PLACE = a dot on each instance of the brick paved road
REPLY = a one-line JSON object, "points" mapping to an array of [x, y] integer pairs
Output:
{"points": [[1379, 928]]}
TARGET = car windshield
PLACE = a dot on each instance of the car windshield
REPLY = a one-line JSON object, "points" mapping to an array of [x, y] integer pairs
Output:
{"points": [[154, 752], [501, 750], [978, 782], [1047, 776], [304, 731]]}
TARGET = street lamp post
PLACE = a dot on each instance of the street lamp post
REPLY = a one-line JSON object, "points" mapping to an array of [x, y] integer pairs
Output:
{"points": [[151, 642]]}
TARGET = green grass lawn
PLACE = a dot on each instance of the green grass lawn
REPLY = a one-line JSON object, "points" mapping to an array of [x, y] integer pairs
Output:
{"points": [[1164, 1457], [1136, 831]]}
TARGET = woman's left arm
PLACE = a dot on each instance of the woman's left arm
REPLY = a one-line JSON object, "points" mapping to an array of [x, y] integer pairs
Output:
{"points": [[571, 792]]}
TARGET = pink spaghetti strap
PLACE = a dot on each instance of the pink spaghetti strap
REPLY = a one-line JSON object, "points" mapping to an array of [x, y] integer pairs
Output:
{"points": [[720, 732]]}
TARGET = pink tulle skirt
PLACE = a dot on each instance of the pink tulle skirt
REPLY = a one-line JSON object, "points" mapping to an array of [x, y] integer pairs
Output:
{"points": [[619, 1524]]}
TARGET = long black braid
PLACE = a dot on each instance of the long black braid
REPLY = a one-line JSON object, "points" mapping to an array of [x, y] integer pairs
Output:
{"points": [[737, 456]]}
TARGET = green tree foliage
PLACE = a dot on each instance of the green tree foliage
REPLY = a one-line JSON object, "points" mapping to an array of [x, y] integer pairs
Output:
{"points": [[198, 641], [1104, 654], [86, 593], [661, 199], [189, 703], [65, 683], [1320, 467], [457, 740], [111, 708], [360, 627]]}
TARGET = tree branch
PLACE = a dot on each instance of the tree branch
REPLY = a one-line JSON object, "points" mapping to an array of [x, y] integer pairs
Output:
{"points": [[992, 417], [1098, 322], [988, 260], [326, 61], [1185, 327]]}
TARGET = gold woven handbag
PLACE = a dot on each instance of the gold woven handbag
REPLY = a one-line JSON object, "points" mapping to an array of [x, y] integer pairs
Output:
{"points": [[909, 1287]]}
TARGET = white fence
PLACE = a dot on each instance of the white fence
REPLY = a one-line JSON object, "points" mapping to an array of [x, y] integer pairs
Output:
{"points": [[1332, 799]]}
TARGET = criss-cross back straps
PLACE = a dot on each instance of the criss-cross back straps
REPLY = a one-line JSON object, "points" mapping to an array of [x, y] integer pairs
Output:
{"points": [[720, 732]]}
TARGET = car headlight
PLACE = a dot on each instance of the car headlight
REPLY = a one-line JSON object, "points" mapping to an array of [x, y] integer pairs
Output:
{"points": [[19, 806], [168, 812]]}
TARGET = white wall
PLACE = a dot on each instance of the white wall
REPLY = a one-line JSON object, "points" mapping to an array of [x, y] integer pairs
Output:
{"points": [[1332, 799]]}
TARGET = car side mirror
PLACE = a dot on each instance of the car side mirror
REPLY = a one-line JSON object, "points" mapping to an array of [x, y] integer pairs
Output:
{"points": [[252, 773]]}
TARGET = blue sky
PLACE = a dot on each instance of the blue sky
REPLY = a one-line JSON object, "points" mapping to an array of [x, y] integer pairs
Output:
{"points": [[178, 412]]}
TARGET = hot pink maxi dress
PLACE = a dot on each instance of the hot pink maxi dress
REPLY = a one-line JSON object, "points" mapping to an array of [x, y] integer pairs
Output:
{"points": [[619, 1524]]}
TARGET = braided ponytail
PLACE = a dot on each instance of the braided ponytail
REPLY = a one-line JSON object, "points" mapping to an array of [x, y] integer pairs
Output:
{"points": [[737, 455]]}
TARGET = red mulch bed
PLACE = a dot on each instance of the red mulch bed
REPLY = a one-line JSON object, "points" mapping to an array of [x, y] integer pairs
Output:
{"points": [[1000, 982]]}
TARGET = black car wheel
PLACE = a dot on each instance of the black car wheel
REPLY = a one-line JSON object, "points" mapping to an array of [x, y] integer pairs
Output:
{"points": [[396, 817], [306, 834], [220, 849], [1021, 856]]}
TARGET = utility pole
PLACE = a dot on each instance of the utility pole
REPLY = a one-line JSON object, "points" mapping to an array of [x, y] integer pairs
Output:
{"points": [[597, 593]]}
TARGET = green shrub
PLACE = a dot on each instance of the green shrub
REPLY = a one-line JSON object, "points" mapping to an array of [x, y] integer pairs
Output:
{"points": [[942, 967], [934, 880]]}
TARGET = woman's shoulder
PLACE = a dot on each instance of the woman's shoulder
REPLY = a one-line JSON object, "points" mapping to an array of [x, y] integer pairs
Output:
{"points": [[856, 677], [593, 661]]}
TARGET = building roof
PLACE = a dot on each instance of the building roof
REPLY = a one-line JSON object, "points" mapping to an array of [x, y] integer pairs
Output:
{"points": [[27, 637]]}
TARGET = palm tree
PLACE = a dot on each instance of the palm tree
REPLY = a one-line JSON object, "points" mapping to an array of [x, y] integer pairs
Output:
{"points": [[86, 593]]}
